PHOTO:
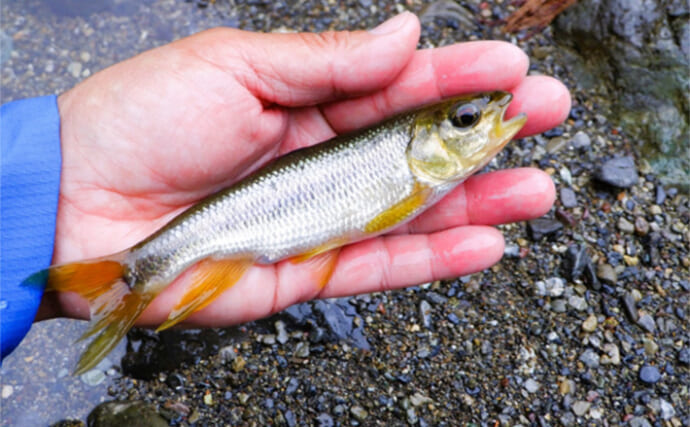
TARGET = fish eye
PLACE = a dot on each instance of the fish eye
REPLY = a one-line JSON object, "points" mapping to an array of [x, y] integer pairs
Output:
{"points": [[465, 115]]}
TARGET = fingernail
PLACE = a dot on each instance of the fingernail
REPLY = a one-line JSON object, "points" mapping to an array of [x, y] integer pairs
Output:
{"points": [[392, 25]]}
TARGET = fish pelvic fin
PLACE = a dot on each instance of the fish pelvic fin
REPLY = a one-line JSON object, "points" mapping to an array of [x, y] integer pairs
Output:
{"points": [[113, 304], [211, 278]]}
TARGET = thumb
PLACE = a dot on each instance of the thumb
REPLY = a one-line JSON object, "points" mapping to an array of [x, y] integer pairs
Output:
{"points": [[310, 68]]}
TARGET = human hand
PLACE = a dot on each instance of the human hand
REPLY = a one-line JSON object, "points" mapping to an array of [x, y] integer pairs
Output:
{"points": [[146, 138]]}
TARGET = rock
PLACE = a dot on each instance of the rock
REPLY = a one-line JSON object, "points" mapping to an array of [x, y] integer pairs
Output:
{"points": [[630, 306], [282, 336], [324, 420], [590, 324], [419, 399], [639, 422], [558, 305], [641, 226], [122, 413], [541, 227], [302, 349], [359, 413], [660, 195], [650, 374], [552, 287], [581, 407], [684, 356], [666, 410], [581, 140], [425, 314], [568, 197], [647, 323], [590, 358], [636, 54], [650, 346], [577, 302], [625, 226], [607, 274], [6, 47], [74, 68], [531, 386], [238, 364], [618, 172], [612, 356], [7, 391]]}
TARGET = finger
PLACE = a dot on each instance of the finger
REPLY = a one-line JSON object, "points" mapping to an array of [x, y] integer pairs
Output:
{"points": [[489, 199], [545, 100], [309, 68], [433, 74]]}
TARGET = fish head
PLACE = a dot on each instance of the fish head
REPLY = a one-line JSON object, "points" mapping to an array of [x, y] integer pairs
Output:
{"points": [[458, 136]]}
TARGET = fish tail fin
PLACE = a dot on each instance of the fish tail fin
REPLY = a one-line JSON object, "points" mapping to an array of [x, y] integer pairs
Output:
{"points": [[114, 305]]}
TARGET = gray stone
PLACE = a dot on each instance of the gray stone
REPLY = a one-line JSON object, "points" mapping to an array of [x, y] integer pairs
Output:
{"points": [[639, 422], [282, 336], [581, 140], [650, 374], [359, 413], [122, 413], [531, 386], [552, 287], [581, 407], [647, 323], [590, 358], [425, 314], [630, 306], [541, 227], [625, 226], [568, 197], [607, 274], [618, 172], [577, 302]]}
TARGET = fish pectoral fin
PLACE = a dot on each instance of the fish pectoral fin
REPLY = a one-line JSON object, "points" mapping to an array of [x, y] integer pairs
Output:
{"points": [[210, 279], [400, 211], [333, 244]]}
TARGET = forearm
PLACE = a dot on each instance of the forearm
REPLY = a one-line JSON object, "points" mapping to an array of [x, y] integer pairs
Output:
{"points": [[30, 183]]}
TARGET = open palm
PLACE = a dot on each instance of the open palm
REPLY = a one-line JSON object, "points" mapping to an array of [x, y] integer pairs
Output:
{"points": [[148, 137]]}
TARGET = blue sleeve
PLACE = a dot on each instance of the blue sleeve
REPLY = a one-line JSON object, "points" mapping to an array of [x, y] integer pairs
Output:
{"points": [[30, 162]]}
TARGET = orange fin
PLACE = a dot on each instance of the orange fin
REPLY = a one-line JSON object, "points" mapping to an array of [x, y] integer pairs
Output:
{"points": [[400, 211], [323, 266], [114, 306], [211, 278], [333, 244]]}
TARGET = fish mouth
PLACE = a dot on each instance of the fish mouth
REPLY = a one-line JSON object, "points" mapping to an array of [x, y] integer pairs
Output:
{"points": [[505, 130]]}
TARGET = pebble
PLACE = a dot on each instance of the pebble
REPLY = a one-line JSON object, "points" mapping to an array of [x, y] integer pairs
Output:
{"points": [[359, 413], [418, 399], [324, 420], [282, 336], [425, 314], [531, 385], [581, 407], [558, 305], [666, 410], [74, 68], [660, 195], [541, 227], [581, 140], [684, 356], [577, 302], [93, 377], [649, 374], [630, 306], [647, 323], [650, 346], [552, 287], [590, 324], [7, 391], [625, 226], [641, 226], [568, 197], [639, 422], [590, 358], [607, 274], [618, 172], [612, 356], [238, 364], [302, 349]]}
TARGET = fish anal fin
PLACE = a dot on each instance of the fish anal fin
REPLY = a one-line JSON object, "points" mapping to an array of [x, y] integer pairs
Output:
{"points": [[211, 277], [322, 266], [400, 211]]}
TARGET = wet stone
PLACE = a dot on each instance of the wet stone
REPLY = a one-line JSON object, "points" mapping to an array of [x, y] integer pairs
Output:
{"points": [[324, 420], [581, 407], [590, 324], [612, 356], [282, 336], [639, 422], [641, 226], [425, 314], [684, 356], [552, 287], [577, 302], [541, 227], [619, 172], [568, 197], [650, 374], [122, 413], [531, 386], [359, 413]]}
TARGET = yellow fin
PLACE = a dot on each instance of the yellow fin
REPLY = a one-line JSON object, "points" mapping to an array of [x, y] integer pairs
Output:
{"points": [[400, 211], [211, 278], [333, 244], [114, 306], [323, 266]]}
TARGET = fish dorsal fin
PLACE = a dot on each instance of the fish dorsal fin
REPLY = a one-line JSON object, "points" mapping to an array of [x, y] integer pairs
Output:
{"points": [[400, 211], [210, 279]]}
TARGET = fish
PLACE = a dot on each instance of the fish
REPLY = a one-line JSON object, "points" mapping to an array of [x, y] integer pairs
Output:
{"points": [[303, 206]]}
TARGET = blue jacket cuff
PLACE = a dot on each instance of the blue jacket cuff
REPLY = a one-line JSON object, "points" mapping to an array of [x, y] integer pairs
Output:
{"points": [[30, 183]]}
